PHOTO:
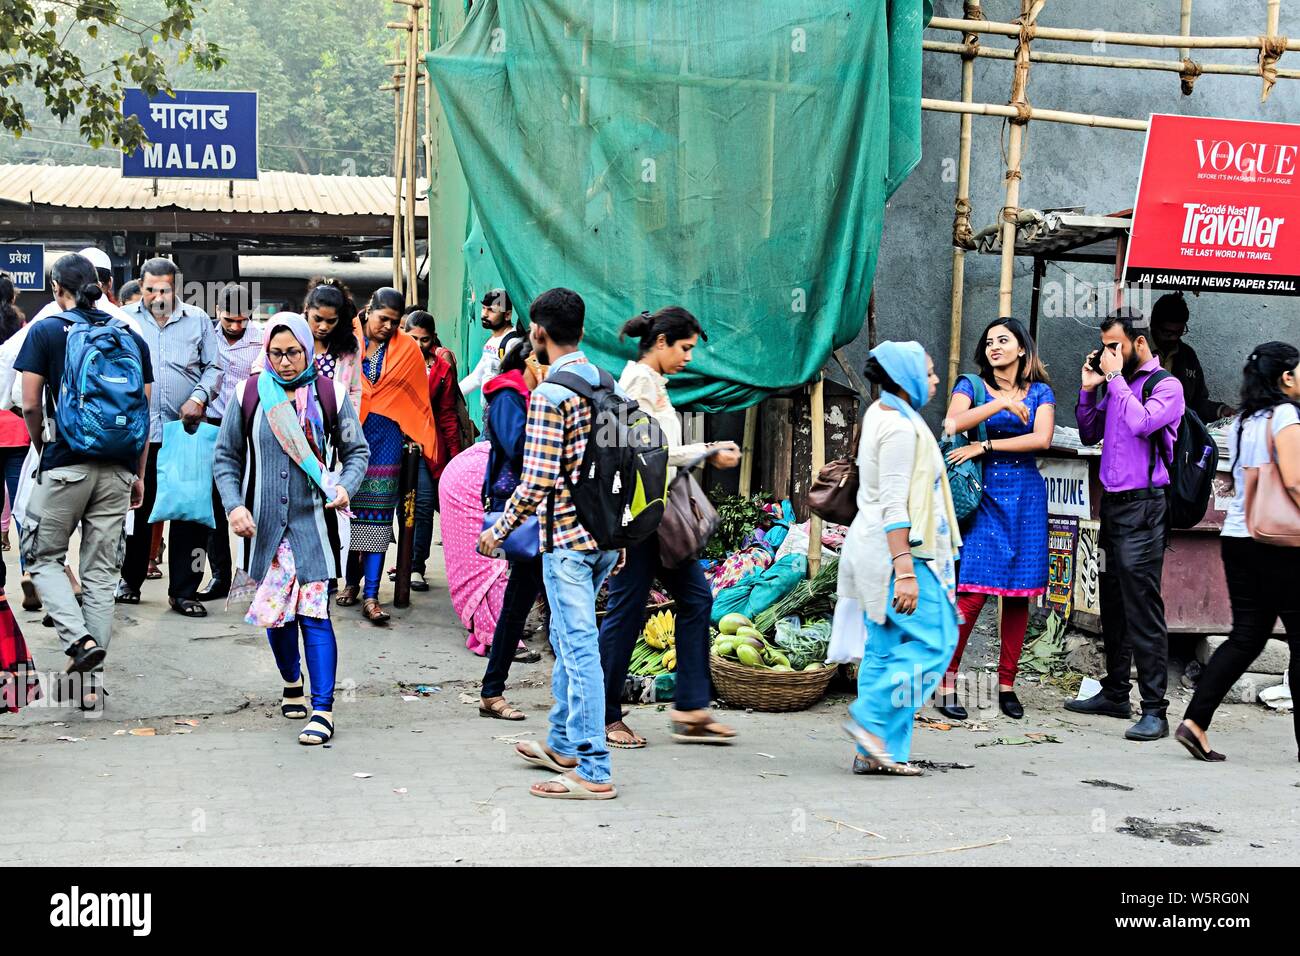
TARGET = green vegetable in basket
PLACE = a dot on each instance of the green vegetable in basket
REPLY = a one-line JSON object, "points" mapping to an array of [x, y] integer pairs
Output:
{"points": [[777, 658], [748, 656], [725, 648], [731, 623], [783, 668], [814, 666]]}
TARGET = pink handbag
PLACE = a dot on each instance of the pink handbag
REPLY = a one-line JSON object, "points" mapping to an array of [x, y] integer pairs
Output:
{"points": [[1272, 515]]}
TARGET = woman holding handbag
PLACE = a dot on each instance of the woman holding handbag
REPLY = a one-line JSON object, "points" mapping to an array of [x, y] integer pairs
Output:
{"points": [[1005, 539], [666, 340], [1261, 576]]}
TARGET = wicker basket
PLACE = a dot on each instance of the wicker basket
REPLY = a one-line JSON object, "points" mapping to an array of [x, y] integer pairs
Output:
{"points": [[760, 689]]}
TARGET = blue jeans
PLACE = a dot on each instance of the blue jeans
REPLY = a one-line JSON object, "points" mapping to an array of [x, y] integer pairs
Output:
{"points": [[572, 579], [13, 468], [426, 504]]}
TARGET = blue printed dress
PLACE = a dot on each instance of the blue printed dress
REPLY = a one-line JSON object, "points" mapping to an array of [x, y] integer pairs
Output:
{"points": [[1004, 549], [376, 500]]}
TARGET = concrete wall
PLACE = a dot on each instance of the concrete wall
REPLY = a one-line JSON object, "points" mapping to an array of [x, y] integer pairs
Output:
{"points": [[1070, 165]]}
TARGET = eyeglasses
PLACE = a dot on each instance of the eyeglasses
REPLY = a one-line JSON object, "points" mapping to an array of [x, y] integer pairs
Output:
{"points": [[292, 355]]}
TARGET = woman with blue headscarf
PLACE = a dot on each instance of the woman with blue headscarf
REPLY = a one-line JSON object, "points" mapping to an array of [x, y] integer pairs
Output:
{"points": [[899, 561], [284, 424]]}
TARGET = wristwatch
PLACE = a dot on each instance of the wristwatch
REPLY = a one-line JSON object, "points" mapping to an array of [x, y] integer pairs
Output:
{"points": [[1111, 375]]}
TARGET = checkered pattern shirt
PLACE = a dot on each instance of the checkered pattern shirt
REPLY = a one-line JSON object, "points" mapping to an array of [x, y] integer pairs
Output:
{"points": [[556, 441]]}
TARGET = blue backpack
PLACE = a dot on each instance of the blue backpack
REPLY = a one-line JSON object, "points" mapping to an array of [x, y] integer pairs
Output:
{"points": [[102, 411]]}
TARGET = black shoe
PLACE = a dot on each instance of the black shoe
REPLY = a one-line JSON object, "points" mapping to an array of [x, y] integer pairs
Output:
{"points": [[418, 583], [84, 658], [949, 707], [1150, 727], [1010, 704], [215, 591], [1100, 704]]}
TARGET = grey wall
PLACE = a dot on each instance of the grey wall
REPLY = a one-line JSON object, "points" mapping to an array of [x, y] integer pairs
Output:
{"points": [[1069, 165]]}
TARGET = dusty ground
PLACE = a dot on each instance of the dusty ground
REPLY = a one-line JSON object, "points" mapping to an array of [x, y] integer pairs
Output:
{"points": [[443, 786]]}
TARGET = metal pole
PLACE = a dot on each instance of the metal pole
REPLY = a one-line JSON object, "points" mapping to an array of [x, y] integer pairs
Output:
{"points": [[818, 415]]}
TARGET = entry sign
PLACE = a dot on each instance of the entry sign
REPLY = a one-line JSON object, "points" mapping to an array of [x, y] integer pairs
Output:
{"points": [[1218, 207], [25, 263], [200, 134]]}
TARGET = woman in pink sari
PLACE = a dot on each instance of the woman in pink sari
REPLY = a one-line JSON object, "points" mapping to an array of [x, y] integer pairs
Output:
{"points": [[477, 584]]}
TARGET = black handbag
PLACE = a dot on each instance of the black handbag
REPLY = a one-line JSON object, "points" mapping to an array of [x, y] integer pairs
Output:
{"points": [[688, 523]]}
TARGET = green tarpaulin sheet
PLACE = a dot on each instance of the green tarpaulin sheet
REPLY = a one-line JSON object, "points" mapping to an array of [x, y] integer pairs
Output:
{"points": [[730, 156]]}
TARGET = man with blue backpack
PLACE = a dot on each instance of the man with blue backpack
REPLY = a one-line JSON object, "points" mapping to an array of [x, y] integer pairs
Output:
{"points": [[86, 384]]}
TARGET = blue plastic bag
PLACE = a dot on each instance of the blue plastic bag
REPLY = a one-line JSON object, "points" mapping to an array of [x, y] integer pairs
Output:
{"points": [[759, 590], [184, 480]]}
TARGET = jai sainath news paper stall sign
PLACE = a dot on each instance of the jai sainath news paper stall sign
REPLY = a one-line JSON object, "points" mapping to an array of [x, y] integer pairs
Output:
{"points": [[198, 134], [1218, 207]]}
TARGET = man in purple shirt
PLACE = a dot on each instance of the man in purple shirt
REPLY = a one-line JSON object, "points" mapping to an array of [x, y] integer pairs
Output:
{"points": [[1134, 515]]}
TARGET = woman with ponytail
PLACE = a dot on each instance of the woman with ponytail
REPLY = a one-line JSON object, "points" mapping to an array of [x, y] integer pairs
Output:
{"points": [[1261, 577], [666, 341]]}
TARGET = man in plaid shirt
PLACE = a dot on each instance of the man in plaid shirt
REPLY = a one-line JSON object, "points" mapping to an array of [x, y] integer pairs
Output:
{"points": [[573, 567]]}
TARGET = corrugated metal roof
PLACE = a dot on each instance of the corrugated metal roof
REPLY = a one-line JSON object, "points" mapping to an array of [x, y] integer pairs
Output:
{"points": [[100, 187], [1052, 233]]}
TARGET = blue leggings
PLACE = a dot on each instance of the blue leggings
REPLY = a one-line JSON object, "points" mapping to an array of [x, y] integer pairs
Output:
{"points": [[369, 564], [322, 653]]}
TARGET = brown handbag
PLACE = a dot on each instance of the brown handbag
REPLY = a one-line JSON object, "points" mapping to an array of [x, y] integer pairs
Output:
{"points": [[688, 523], [1272, 516], [834, 492]]}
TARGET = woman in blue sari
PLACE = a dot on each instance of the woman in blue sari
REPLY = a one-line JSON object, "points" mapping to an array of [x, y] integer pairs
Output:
{"points": [[899, 561]]}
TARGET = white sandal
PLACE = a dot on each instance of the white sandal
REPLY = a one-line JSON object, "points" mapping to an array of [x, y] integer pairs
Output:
{"points": [[573, 790], [319, 730]]}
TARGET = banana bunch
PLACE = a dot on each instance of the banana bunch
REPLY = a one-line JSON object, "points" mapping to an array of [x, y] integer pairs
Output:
{"points": [[660, 631]]}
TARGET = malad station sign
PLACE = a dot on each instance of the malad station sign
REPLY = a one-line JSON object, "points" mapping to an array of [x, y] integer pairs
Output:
{"points": [[1218, 207]]}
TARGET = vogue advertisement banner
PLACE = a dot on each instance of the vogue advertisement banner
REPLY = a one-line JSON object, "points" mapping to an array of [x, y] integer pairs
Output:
{"points": [[1218, 207]]}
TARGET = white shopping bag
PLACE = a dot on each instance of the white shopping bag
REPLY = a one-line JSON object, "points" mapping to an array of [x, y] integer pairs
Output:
{"points": [[848, 633], [31, 464]]}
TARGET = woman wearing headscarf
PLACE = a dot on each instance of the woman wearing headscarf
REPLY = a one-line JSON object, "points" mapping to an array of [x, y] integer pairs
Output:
{"points": [[899, 561], [394, 402], [270, 471]]}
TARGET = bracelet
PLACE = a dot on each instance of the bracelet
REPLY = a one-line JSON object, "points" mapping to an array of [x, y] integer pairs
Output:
{"points": [[904, 577], [901, 554], [988, 446]]}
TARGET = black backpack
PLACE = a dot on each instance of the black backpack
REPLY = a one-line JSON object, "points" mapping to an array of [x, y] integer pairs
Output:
{"points": [[622, 483], [1195, 463]]}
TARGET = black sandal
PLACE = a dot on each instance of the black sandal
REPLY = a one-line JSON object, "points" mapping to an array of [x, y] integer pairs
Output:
{"points": [[187, 607], [1193, 746], [293, 703], [92, 694], [125, 594], [319, 730], [85, 658]]}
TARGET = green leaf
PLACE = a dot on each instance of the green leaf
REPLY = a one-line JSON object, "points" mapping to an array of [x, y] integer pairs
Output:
{"points": [[51, 17]]}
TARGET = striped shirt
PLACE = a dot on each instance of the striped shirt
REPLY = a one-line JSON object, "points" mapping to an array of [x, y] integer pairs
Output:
{"points": [[559, 424], [237, 360]]}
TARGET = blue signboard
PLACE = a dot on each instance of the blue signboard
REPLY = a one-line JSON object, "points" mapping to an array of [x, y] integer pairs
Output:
{"points": [[25, 263], [199, 134]]}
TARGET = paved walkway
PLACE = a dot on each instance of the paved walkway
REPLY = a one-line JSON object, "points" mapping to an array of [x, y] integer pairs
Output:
{"points": [[443, 787]]}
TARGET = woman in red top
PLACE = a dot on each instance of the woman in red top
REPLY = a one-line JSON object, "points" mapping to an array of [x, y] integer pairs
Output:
{"points": [[446, 401], [18, 682]]}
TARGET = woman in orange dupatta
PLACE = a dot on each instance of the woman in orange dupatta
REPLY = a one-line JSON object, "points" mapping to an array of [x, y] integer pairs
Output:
{"points": [[394, 402]]}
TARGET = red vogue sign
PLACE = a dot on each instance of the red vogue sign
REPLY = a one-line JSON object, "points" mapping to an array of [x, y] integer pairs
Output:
{"points": [[1218, 207]]}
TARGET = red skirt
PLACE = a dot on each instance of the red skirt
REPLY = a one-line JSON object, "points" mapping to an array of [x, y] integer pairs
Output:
{"points": [[19, 684]]}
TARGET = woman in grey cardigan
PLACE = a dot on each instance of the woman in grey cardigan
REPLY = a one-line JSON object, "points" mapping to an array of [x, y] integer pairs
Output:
{"points": [[271, 474]]}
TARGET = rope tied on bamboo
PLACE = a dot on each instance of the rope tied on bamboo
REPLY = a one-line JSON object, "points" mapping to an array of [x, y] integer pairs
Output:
{"points": [[963, 236], [1011, 214], [972, 46], [1187, 76], [971, 10], [1271, 49]]}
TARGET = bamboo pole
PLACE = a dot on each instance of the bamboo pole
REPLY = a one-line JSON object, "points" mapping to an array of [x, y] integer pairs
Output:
{"points": [[1051, 116], [1185, 27], [1015, 140], [411, 290], [747, 451], [398, 83], [1110, 62], [961, 230], [818, 409], [1066, 35], [1271, 47]]}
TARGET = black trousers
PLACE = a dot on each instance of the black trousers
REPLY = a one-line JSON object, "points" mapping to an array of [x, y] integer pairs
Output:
{"points": [[522, 588], [219, 537], [1133, 539], [187, 543], [1263, 585]]}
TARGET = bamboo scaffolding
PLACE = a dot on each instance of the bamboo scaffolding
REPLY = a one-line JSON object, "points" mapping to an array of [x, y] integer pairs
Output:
{"points": [[1029, 10], [1067, 35], [1034, 112], [962, 234], [1111, 62], [410, 288], [817, 416]]}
